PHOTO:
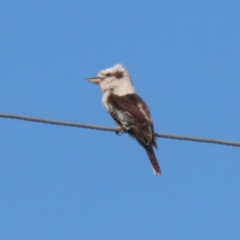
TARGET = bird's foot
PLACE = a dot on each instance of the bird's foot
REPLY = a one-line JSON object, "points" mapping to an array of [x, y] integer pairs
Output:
{"points": [[119, 131]]}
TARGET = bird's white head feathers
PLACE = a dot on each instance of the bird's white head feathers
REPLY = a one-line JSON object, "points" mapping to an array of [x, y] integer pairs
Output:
{"points": [[113, 70], [115, 80]]}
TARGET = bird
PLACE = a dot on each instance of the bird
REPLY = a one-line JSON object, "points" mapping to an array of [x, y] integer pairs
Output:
{"points": [[127, 109]]}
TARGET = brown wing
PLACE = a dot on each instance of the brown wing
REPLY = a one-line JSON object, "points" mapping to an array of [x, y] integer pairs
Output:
{"points": [[132, 113]]}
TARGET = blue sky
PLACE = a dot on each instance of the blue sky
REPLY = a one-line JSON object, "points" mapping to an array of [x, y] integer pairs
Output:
{"points": [[67, 183]]}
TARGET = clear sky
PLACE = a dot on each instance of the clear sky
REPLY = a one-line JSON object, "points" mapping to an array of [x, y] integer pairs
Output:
{"points": [[68, 183]]}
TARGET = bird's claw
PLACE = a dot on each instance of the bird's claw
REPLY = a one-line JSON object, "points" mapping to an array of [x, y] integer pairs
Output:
{"points": [[119, 131]]}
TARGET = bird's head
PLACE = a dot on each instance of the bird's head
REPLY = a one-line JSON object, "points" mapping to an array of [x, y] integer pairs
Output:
{"points": [[115, 79]]}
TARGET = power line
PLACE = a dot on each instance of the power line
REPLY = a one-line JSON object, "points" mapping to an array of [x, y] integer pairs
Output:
{"points": [[82, 125]]}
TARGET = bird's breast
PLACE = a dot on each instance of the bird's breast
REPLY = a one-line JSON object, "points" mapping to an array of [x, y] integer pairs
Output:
{"points": [[105, 100]]}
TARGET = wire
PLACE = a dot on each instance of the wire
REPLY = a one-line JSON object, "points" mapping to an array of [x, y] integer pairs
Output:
{"points": [[82, 125]]}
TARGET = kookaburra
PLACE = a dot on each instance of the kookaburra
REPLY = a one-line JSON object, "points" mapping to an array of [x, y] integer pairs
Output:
{"points": [[128, 110]]}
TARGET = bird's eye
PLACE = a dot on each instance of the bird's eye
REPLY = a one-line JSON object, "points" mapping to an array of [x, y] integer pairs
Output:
{"points": [[108, 74]]}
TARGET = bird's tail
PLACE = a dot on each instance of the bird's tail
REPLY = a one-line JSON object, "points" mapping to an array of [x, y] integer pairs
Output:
{"points": [[153, 160]]}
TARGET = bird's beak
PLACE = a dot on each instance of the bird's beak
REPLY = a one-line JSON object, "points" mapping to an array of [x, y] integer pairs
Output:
{"points": [[95, 80]]}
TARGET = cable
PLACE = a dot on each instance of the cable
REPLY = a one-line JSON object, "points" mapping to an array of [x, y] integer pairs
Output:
{"points": [[82, 125]]}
